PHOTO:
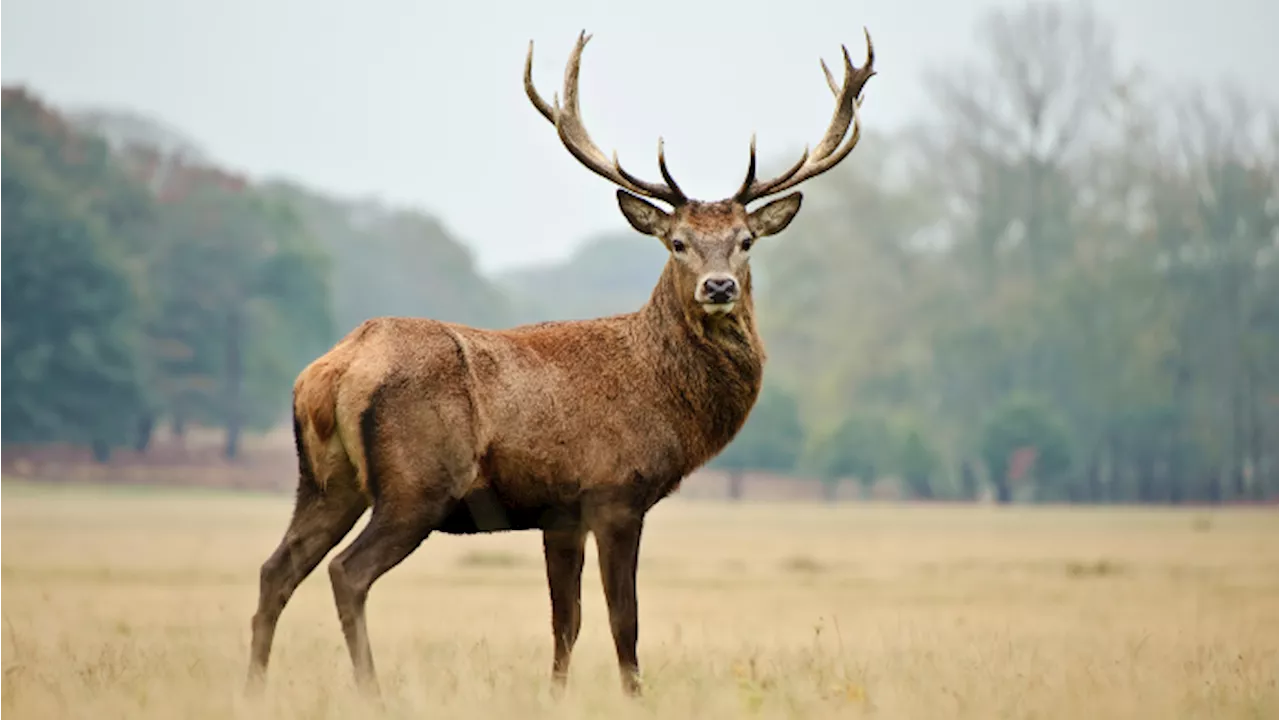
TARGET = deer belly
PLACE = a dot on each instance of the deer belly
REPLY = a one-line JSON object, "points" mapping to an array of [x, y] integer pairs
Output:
{"points": [[483, 511]]}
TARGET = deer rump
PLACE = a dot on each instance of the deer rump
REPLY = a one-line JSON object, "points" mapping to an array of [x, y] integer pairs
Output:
{"points": [[497, 424]]}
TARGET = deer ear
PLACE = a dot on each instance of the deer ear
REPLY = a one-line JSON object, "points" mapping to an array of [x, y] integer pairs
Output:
{"points": [[774, 217], [643, 216]]}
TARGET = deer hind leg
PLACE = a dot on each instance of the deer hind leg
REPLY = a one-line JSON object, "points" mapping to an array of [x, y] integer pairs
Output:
{"points": [[320, 520], [564, 551], [393, 533], [415, 484]]}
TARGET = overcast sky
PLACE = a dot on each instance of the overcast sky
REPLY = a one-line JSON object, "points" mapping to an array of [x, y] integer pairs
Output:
{"points": [[421, 103]]}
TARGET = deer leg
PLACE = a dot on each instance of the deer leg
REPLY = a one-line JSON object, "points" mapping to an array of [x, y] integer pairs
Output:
{"points": [[618, 542], [320, 520], [564, 553], [394, 531]]}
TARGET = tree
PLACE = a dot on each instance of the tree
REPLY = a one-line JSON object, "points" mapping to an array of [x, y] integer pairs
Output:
{"points": [[859, 447], [244, 302], [1017, 121], [72, 321], [1215, 228], [916, 461], [1065, 228], [1024, 438], [145, 283]]}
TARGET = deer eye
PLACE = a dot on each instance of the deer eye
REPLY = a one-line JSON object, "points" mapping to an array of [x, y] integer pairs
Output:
{"points": [[677, 246], [746, 244]]}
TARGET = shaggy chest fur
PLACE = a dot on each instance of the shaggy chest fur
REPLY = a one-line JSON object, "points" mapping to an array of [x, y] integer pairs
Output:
{"points": [[713, 381]]}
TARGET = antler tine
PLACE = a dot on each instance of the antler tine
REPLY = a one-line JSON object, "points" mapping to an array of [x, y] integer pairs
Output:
{"points": [[752, 190], [829, 152], [662, 168], [831, 79], [750, 179], [577, 141], [677, 196], [532, 92]]}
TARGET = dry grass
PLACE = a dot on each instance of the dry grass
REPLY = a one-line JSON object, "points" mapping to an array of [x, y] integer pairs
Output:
{"points": [[135, 604]]}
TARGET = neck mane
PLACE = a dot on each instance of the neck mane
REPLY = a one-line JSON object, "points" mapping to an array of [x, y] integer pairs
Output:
{"points": [[712, 365]]}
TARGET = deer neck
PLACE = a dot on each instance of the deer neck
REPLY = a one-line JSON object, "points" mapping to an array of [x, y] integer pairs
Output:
{"points": [[709, 366]]}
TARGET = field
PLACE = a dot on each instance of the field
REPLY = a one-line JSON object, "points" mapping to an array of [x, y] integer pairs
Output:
{"points": [[136, 603]]}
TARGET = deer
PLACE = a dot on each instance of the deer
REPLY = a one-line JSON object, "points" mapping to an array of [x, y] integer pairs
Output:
{"points": [[571, 428]]}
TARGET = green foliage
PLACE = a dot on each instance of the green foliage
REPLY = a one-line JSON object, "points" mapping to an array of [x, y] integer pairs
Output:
{"points": [[72, 319], [916, 462], [1023, 424], [239, 298], [199, 302], [141, 285], [860, 446]]}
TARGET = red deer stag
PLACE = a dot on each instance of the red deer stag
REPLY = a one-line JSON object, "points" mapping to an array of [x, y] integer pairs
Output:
{"points": [[565, 427]]}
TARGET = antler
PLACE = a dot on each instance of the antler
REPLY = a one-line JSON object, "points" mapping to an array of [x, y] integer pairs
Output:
{"points": [[826, 155], [574, 135]]}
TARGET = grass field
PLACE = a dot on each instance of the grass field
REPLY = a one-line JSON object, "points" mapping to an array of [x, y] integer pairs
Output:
{"points": [[136, 604]]}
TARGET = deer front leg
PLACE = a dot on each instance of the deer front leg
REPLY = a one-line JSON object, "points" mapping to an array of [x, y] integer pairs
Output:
{"points": [[618, 542], [564, 553]]}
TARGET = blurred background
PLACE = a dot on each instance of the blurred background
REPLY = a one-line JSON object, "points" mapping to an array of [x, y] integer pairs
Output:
{"points": [[1048, 272]]}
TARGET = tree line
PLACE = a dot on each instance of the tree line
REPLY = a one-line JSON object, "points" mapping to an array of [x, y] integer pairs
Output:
{"points": [[143, 286], [1061, 286]]}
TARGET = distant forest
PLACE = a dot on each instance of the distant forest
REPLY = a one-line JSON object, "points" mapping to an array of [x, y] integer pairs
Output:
{"points": [[1060, 285]]}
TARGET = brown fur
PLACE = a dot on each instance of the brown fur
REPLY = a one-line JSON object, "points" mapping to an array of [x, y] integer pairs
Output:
{"points": [[571, 428]]}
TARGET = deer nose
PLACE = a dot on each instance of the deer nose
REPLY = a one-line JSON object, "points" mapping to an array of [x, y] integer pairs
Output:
{"points": [[720, 289]]}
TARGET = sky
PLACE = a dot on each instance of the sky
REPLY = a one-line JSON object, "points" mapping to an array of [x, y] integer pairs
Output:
{"points": [[421, 104]]}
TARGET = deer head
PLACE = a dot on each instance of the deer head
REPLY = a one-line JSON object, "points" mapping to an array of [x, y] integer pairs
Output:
{"points": [[710, 242]]}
